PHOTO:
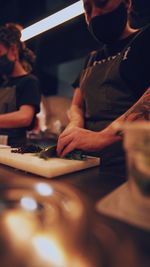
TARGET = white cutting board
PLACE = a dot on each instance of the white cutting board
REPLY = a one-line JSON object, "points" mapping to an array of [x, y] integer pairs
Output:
{"points": [[48, 168]]}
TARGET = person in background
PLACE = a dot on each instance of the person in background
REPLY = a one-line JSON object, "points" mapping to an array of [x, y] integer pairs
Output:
{"points": [[114, 86], [19, 91], [27, 56]]}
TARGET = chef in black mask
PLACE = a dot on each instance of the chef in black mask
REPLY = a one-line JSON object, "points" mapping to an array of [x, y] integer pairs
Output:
{"points": [[110, 26], [111, 83], [19, 91]]}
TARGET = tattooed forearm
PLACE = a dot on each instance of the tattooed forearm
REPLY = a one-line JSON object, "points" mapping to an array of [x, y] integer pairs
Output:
{"points": [[140, 110]]}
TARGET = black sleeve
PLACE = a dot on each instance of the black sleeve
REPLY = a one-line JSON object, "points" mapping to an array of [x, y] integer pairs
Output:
{"points": [[135, 67], [29, 93]]}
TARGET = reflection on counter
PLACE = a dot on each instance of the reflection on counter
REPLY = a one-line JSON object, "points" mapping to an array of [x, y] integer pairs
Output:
{"points": [[44, 225]]}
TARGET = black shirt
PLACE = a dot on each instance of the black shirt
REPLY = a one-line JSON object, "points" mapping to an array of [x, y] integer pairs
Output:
{"points": [[135, 66], [15, 92]]}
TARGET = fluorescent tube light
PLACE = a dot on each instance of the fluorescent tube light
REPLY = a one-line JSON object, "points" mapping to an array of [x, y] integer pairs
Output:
{"points": [[52, 21]]}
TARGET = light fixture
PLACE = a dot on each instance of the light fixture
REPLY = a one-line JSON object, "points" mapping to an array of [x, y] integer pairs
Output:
{"points": [[52, 21]]}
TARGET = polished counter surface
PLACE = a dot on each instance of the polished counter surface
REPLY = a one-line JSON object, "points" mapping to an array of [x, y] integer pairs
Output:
{"points": [[93, 239]]}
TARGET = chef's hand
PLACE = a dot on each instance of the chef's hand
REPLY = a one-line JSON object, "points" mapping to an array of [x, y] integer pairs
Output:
{"points": [[78, 138]]}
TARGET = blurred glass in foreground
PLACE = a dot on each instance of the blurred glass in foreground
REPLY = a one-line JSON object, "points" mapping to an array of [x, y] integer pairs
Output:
{"points": [[137, 146]]}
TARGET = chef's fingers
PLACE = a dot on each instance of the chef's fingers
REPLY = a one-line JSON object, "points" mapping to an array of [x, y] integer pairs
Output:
{"points": [[62, 143], [65, 133], [69, 148]]}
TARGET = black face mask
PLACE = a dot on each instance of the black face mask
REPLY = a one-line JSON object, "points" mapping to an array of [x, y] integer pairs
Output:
{"points": [[108, 28], [6, 65]]}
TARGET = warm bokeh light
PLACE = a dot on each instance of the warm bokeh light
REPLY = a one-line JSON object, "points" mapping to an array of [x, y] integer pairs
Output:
{"points": [[28, 203], [19, 225], [52, 21], [44, 189], [48, 250]]}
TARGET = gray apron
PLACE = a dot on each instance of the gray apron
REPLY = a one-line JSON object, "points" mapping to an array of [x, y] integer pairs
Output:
{"points": [[16, 136], [106, 97]]}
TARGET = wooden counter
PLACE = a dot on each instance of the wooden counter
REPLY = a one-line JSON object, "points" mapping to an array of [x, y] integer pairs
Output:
{"points": [[115, 243]]}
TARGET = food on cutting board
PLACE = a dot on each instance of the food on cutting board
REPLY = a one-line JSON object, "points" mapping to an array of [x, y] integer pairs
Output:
{"points": [[48, 152], [27, 149]]}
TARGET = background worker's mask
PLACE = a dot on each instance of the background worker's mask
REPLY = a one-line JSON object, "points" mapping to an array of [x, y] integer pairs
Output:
{"points": [[6, 65]]}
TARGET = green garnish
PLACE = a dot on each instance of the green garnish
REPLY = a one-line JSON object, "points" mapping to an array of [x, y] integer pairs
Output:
{"points": [[50, 152]]}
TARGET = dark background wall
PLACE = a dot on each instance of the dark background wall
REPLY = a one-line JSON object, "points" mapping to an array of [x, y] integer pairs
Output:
{"points": [[60, 51]]}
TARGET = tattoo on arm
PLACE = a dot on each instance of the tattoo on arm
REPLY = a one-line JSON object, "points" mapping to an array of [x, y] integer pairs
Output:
{"points": [[139, 111]]}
